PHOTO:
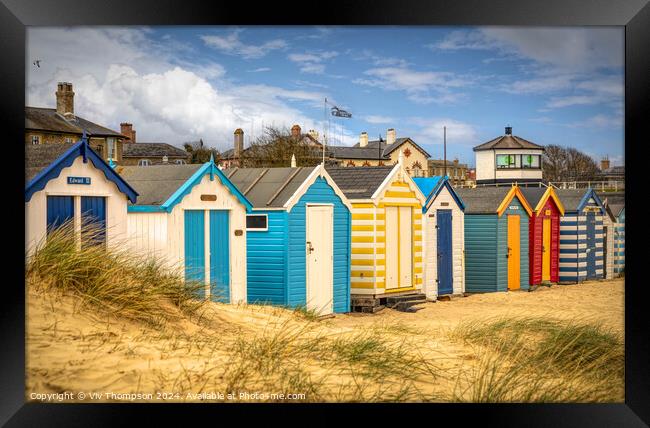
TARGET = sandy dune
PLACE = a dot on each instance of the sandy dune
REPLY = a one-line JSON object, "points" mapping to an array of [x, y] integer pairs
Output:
{"points": [[74, 349]]}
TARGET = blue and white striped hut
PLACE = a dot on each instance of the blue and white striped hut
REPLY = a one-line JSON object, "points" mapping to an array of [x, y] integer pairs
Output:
{"points": [[618, 212], [581, 236]]}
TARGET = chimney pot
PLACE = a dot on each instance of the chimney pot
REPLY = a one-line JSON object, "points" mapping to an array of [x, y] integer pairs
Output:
{"points": [[295, 131], [390, 136], [65, 100], [363, 139]]}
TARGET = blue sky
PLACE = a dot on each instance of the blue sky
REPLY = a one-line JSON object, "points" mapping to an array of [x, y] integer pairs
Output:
{"points": [[552, 85]]}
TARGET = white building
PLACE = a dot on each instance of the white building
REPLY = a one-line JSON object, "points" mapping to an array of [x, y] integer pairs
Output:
{"points": [[508, 159]]}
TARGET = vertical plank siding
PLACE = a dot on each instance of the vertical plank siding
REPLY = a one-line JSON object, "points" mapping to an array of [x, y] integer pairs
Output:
{"points": [[523, 244], [535, 236], [481, 233], [619, 244]]}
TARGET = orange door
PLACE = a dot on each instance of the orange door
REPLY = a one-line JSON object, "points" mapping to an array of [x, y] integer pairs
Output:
{"points": [[514, 258], [546, 249]]}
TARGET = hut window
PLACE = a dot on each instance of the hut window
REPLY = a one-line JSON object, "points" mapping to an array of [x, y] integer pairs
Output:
{"points": [[508, 161], [530, 161], [257, 222], [143, 162]]}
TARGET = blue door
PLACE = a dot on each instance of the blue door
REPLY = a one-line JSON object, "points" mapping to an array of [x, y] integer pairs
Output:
{"points": [[93, 214], [195, 248], [445, 275], [591, 245], [59, 210], [219, 256]]}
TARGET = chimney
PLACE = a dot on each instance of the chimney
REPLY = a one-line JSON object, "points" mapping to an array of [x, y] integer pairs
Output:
{"points": [[314, 134], [239, 142], [508, 130], [604, 164], [363, 139], [126, 129], [65, 100], [295, 131], [390, 136], [456, 162]]}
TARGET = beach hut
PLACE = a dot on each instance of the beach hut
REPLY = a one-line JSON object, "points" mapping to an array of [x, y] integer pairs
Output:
{"points": [[544, 234], [298, 238], [443, 233], [70, 182], [386, 232], [194, 219], [496, 238], [618, 210], [582, 253]]}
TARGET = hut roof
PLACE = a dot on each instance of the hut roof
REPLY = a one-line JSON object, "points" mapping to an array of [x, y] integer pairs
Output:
{"points": [[359, 183], [268, 187], [483, 200], [157, 183]]}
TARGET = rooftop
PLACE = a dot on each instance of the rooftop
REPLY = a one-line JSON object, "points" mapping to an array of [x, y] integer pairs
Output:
{"points": [[361, 182], [47, 119], [138, 150]]}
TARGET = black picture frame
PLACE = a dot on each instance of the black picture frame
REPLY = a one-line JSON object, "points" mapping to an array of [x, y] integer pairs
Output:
{"points": [[15, 15]]}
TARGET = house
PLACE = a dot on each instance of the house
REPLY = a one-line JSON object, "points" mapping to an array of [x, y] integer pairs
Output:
{"points": [[380, 152], [386, 232], [582, 254], [298, 238], [60, 125], [71, 182], [444, 238], [193, 219], [232, 157], [496, 239], [456, 171], [508, 159], [145, 154]]}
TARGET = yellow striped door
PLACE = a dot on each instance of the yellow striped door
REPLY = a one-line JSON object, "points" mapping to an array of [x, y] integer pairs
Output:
{"points": [[405, 247], [392, 247]]}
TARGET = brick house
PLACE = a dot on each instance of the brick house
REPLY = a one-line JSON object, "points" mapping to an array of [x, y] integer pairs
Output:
{"points": [[145, 154], [60, 125]]}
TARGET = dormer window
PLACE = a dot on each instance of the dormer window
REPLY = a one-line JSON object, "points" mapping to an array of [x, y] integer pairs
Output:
{"points": [[144, 162]]}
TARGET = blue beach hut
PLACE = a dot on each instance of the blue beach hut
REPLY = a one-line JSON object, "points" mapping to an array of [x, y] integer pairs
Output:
{"points": [[298, 238]]}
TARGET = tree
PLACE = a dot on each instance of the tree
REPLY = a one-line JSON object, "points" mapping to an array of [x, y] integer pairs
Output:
{"points": [[275, 147], [568, 164], [200, 153]]}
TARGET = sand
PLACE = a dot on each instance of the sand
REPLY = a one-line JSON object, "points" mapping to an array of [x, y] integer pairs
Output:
{"points": [[72, 349]]}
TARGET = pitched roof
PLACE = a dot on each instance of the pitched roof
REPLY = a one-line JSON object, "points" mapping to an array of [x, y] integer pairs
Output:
{"points": [[616, 208], [359, 183], [572, 199], [47, 119], [156, 183], [431, 187], [139, 150], [268, 187], [533, 194], [81, 148], [482, 200], [39, 156], [508, 142], [370, 153]]}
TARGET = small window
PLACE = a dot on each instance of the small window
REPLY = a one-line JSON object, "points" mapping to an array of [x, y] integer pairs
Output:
{"points": [[257, 222], [68, 140], [144, 162], [36, 139], [110, 144], [180, 161], [508, 161], [530, 161]]}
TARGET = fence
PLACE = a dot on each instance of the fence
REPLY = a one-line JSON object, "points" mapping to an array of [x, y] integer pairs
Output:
{"points": [[603, 186]]}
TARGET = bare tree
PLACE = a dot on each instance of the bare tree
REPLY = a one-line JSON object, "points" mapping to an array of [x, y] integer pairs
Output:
{"points": [[568, 164], [275, 147], [200, 153]]}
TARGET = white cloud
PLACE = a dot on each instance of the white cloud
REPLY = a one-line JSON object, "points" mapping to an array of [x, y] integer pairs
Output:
{"points": [[418, 85], [459, 133], [137, 81], [599, 121], [376, 119], [232, 45], [312, 62], [260, 70]]}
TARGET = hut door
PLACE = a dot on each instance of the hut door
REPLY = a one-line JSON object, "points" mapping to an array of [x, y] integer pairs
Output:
{"points": [[392, 247], [59, 210], [444, 251], [93, 220], [546, 249], [405, 248], [513, 253], [219, 256], [319, 249], [591, 245], [195, 247]]}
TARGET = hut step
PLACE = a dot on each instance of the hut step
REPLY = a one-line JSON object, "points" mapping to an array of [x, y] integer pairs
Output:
{"points": [[393, 300], [408, 305]]}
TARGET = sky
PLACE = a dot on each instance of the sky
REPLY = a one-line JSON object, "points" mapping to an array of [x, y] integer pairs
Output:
{"points": [[562, 85]]}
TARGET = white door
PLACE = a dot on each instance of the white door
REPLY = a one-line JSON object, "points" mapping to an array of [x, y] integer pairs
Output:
{"points": [[392, 252], [319, 250], [405, 246]]}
